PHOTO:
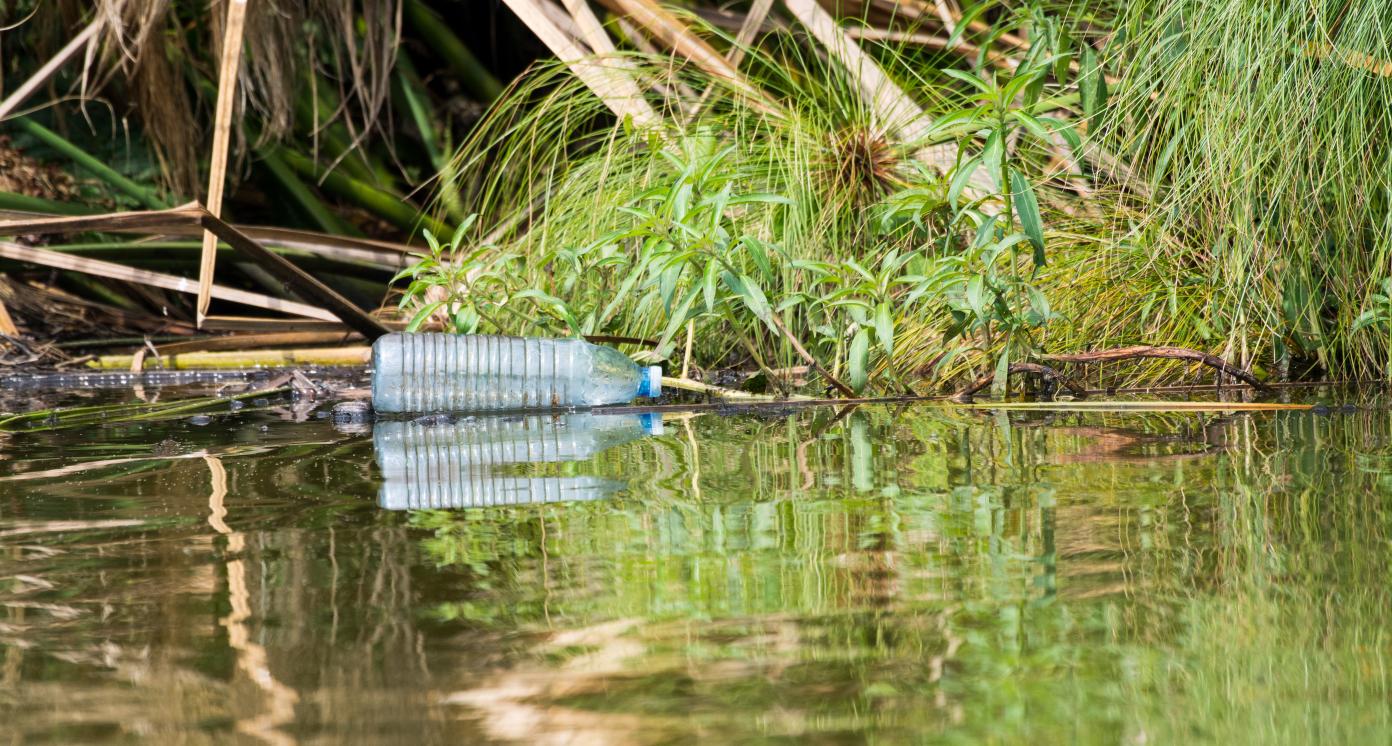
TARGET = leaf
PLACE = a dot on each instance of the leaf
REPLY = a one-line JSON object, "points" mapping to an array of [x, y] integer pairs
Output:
{"points": [[992, 155], [461, 230], [708, 284], [976, 296], [423, 314], [1364, 320], [1040, 302], [762, 198], [967, 77], [1092, 83], [960, 176], [466, 321], [759, 252], [1002, 373], [753, 297], [674, 324], [965, 22], [884, 327], [858, 360], [1035, 127], [1027, 209]]}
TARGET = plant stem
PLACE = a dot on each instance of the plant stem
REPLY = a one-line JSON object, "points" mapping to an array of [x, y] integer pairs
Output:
{"points": [[383, 204], [423, 114], [26, 203], [303, 197], [90, 163], [443, 42]]}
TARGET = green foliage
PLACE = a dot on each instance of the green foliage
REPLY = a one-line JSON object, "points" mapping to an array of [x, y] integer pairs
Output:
{"points": [[1379, 317], [1262, 133]]}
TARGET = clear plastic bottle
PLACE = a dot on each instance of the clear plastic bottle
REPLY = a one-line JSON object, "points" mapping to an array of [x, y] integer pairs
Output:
{"points": [[462, 464], [473, 373]]}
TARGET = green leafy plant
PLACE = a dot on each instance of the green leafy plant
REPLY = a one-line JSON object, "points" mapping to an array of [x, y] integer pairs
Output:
{"points": [[999, 306], [1379, 316]]}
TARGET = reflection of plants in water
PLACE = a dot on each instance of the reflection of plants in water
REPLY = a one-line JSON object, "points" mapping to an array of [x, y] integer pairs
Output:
{"points": [[1171, 571]]}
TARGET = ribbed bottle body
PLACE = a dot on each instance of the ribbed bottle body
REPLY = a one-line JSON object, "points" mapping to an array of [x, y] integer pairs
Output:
{"points": [[475, 373]]}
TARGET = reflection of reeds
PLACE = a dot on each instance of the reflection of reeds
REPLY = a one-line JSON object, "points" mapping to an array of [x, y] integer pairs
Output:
{"points": [[251, 657]]}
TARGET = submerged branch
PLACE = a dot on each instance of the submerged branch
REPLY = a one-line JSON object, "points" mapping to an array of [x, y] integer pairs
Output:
{"points": [[1136, 352], [1043, 371], [812, 361]]}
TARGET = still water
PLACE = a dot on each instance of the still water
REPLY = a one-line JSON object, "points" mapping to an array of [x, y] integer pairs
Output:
{"points": [[914, 574]]}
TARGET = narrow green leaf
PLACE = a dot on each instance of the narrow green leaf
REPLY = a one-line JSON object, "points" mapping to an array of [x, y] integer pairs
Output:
{"points": [[992, 155], [884, 327], [960, 176], [859, 360], [1002, 373], [1027, 209], [422, 315]]}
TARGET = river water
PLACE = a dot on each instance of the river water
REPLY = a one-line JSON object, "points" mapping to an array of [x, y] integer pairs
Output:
{"points": [[887, 574]]}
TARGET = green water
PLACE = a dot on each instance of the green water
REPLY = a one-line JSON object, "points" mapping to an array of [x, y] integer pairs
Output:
{"points": [[883, 575]]}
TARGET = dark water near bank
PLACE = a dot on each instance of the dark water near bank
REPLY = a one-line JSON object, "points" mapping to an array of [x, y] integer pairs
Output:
{"points": [[885, 575]]}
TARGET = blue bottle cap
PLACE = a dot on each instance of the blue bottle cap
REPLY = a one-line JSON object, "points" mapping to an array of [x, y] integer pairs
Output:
{"points": [[652, 423], [650, 385]]}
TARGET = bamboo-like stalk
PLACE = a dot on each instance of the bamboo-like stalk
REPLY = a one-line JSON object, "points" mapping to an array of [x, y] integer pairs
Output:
{"points": [[258, 341], [90, 163], [380, 203], [354, 355], [26, 203], [686, 384], [423, 116], [297, 279], [462, 62], [305, 199]]}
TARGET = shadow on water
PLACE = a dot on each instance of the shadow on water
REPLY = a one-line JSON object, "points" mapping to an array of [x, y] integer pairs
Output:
{"points": [[884, 573]]}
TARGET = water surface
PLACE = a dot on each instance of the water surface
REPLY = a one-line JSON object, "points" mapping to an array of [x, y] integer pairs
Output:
{"points": [[885, 575]]}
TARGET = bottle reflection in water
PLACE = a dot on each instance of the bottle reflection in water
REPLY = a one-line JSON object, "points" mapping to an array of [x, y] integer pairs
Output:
{"points": [[462, 464]]}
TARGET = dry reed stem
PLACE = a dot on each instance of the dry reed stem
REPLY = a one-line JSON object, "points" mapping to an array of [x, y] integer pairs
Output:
{"points": [[110, 270], [41, 76], [612, 85], [222, 134]]}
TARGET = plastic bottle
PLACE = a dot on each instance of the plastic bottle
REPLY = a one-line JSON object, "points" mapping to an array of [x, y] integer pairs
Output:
{"points": [[473, 373], [462, 464]]}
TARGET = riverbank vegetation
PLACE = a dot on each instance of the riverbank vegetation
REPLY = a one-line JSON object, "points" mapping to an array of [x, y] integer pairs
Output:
{"points": [[860, 197]]}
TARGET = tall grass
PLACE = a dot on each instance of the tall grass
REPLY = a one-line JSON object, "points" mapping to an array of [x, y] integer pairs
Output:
{"points": [[1264, 131]]}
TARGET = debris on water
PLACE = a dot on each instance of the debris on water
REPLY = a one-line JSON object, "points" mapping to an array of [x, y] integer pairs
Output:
{"points": [[235, 405], [1320, 409], [200, 420], [352, 417], [260, 402], [434, 419], [462, 372], [351, 411]]}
